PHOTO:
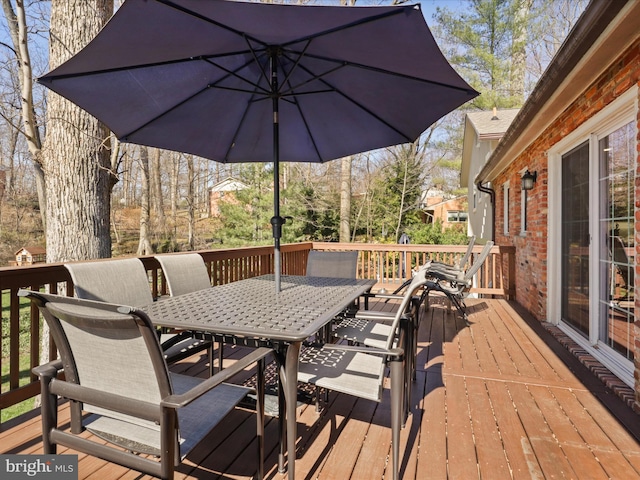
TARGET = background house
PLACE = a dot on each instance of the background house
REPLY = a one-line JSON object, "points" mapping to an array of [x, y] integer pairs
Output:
{"points": [[482, 132], [226, 189], [578, 134], [29, 256], [450, 211]]}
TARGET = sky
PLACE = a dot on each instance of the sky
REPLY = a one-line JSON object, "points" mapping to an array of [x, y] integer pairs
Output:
{"points": [[429, 7]]}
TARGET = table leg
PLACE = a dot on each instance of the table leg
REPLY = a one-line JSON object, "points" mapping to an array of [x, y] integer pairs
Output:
{"points": [[282, 413], [289, 383]]}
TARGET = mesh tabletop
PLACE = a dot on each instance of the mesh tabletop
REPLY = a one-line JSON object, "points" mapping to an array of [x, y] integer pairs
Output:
{"points": [[252, 308]]}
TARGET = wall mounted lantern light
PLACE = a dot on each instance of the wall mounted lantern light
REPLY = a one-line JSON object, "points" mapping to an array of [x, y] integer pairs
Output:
{"points": [[528, 179]]}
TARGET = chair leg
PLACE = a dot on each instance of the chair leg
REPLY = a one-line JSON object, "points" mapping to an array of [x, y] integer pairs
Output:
{"points": [[211, 356], [260, 390], [397, 402], [49, 412], [220, 355]]}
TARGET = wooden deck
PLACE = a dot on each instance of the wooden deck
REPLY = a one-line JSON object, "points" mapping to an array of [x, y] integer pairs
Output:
{"points": [[493, 400]]}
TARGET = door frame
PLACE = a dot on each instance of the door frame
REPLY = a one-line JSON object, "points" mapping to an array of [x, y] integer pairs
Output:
{"points": [[620, 112]]}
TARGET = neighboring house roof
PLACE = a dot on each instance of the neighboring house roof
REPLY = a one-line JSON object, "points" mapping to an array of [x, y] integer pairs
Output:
{"points": [[432, 196], [32, 250], [605, 27], [491, 124], [437, 202], [229, 185], [482, 126]]}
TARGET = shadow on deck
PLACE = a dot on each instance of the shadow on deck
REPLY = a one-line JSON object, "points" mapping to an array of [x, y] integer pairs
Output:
{"points": [[500, 398]]}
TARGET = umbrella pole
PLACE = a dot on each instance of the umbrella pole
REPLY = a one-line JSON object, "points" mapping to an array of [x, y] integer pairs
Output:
{"points": [[276, 221]]}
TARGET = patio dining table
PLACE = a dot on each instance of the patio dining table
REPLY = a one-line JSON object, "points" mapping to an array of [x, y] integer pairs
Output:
{"points": [[251, 310]]}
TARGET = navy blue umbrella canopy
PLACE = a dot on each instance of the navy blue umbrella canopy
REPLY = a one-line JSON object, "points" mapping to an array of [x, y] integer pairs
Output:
{"points": [[253, 82]]}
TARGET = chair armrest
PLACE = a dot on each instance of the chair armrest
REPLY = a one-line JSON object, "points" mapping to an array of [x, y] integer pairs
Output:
{"points": [[49, 370], [178, 401], [394, 352], [374, 315], [447, 275]]}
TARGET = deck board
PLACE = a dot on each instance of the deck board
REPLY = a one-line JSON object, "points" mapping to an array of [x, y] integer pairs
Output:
{"points": [[491, 400]]}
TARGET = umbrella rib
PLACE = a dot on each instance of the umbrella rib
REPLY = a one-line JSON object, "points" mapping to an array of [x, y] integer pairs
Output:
{"points": [[306, 126], [357, 104], [234, 73], [256, 61], [237, 131], [296, 62], [199, 16], [347, 63], [373, 18], [357, 23], [206, 58], [313, 78], [164, 112]]}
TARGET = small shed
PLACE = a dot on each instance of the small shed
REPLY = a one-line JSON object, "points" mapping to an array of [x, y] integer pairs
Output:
{"points": [[30, 255]]}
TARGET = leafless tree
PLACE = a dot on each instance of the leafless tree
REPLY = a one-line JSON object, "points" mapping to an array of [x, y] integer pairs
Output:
{"points": [[76, 157]]}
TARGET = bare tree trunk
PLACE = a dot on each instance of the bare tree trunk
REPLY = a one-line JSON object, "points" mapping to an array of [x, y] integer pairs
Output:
{"points": [[519, 54], [158, 200], [402, 200], [345, 199], [76, 160], [144, 246], [175, 172], [191, 202], [18, 31]]}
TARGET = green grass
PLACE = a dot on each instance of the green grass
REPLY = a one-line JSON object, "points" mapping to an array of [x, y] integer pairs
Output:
{"points": [[22, 407]]}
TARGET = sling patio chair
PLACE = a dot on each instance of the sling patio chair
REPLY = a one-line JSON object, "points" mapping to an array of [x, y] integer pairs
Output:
{"points": [[454, 267], [360, 370], [125, 282], [186, 273], [332, 264], [121, 391], [372, 328], [336, 264], [455, 285], [620, 260]]}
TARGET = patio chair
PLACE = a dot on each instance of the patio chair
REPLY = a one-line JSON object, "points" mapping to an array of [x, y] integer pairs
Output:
{"points": [[332, 264], [321, 263], [124, 282], [121, 391], [455, 286], [186, 273], [371, 328], [360, 371], [455, 267], [459, 265], [621, 262]]}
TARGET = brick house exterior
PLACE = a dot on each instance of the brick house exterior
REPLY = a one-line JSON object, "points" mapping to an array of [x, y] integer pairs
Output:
{"points": [[589, 90], [224, 191], [449, 211]]}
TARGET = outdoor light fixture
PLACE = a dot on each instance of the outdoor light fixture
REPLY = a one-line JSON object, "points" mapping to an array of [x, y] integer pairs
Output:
{"points": [[528, 179]]}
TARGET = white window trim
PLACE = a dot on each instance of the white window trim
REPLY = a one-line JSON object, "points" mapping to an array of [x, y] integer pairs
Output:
{"points": [[620, 112], [505, 213], [523, 206]]}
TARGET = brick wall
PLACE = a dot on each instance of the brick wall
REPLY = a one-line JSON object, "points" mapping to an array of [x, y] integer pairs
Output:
{"points": [[531, 248]]}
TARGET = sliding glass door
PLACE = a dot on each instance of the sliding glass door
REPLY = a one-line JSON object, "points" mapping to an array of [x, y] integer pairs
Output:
{"points": [[617, 226], [575, 239], [604, 317]]}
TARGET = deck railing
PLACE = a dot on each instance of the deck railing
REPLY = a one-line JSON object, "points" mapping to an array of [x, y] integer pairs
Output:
{"points": [[389, 265]]}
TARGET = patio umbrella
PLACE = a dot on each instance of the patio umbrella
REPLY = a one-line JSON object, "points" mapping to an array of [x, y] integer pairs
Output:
{"points": [[254, 82]]}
